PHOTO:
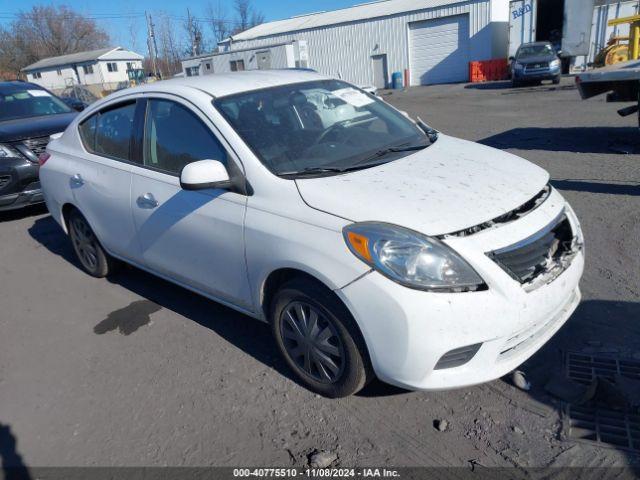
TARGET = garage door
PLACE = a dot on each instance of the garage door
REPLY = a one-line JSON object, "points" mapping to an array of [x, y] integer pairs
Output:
{"points": [[439, 50]]}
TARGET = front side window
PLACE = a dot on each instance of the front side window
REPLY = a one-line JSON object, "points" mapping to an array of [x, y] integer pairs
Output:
{"points": [[318, 125], [24, 102], [114, 130], [174, 137]]}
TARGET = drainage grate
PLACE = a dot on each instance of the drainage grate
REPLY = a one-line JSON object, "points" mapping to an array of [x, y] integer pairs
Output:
{"points": [[584, 368], [593, 424]]}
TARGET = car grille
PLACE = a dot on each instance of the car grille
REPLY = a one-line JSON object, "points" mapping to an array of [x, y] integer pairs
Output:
{"points": [[536, 66], [36, 145], [545, 251]]}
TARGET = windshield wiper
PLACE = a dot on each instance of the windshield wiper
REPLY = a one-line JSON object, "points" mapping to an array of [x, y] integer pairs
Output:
{"points": [[312, 171], [371, 161]]}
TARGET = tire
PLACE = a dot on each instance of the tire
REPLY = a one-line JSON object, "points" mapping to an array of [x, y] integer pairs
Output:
{"points": [[556, 80], [514, 83], [92, 257], [300, 305]]}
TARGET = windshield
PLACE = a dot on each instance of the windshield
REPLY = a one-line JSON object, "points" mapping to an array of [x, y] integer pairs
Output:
{"points": [[536, 51], [320, 127], [24, 102]]}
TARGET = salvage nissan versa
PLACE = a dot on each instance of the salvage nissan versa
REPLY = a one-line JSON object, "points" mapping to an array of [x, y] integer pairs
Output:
{"points": [[372, 244]]}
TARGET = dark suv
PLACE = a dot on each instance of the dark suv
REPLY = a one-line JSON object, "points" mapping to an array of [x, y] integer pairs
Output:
{"points": [[535, 62], [29, 114]]}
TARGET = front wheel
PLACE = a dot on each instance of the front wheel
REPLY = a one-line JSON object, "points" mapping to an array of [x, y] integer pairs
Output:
{"points": [[93, 259], [319, 340], [556, 80]]}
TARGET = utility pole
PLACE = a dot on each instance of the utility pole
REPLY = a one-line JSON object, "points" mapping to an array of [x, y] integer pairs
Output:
{"points": [[153, 47]]}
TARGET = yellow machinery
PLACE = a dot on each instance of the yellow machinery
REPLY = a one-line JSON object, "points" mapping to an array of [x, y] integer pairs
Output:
{"points": [[616, 51]]}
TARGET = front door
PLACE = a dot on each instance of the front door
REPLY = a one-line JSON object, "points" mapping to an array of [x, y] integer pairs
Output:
{"points": [[194, 237], [264, 60], [379, 71]]}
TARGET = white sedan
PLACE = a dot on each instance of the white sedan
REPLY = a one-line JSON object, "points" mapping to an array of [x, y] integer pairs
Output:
{"points": [[373, 245]]}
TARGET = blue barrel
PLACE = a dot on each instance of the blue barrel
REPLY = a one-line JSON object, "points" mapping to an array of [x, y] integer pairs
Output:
{"points": [[396, 80]]}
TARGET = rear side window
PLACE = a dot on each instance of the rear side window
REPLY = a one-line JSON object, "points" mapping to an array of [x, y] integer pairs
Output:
{"points": [[109, 132], [87, 131], [175, 137], [114, 131]]}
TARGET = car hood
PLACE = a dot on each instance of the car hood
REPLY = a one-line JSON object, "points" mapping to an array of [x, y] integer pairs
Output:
{"points": [[452, 185], [538, 59], [32, 127]]}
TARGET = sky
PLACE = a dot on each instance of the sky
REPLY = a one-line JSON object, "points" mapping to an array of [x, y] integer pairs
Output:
{"points": [[120, 17]]}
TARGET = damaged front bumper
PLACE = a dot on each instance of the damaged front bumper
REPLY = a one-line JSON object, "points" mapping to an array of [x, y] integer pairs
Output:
{"points": [[449, 340]]}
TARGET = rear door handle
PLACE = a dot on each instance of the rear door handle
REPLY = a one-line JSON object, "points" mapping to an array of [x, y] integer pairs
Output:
{"points": [[147, 201], [77, 180]]}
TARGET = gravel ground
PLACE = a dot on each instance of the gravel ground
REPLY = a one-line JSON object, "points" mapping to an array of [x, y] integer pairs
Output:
{"points": [[134, 371]]}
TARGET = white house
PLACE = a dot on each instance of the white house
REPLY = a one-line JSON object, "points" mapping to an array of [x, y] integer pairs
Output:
{"points": [[101, 69]]}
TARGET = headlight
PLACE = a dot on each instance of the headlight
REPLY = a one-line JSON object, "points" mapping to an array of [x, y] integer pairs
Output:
{"points": [[7, 151], [518, 66], [554, 63], [410, 258]]}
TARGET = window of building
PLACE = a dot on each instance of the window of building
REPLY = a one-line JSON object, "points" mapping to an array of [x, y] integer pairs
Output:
{"points": [[207, 66], [87, 69], [59, 72], [237, 65], [112, 66], [37, 74], [175, 136], [192, 71], [129, 65]]}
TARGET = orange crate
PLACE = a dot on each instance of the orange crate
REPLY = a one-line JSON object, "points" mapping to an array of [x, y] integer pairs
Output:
{"points": [[488, 70]]}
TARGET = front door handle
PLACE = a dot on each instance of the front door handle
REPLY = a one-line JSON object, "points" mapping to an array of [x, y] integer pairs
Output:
{"points": [[147, 201], [77, 180]]}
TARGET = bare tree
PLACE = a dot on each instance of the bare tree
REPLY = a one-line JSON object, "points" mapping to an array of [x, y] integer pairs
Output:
{"points": [[169, 51], [219, 22], [47, 31], [246, 16], [195, 39]]}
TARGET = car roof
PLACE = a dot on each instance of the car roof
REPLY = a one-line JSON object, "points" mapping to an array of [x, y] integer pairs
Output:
{"points": [[223, 84]]}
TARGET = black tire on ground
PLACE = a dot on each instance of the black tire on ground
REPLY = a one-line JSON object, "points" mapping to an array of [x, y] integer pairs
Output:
{"points": [[515, 83], [92, 257], [319, 339], [556, 80]]}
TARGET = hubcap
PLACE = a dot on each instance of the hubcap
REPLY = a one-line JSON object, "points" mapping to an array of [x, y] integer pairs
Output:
{"points": [[312, 342], [85, 244]]}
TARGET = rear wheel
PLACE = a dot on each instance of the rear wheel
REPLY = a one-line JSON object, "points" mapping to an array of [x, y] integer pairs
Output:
{"points": [[93, 259], [318, 339]]}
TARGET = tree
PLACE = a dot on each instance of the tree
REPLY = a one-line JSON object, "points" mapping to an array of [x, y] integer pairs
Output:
{"points": [[195, 39], [219, 22], [246, 16], [47, 31]]}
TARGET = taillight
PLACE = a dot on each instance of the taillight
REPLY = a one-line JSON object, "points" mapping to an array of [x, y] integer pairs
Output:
{"points": [[42, 159]]}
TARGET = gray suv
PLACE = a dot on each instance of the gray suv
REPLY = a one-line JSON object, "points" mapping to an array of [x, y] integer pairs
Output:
{"points": [[535, 62]]}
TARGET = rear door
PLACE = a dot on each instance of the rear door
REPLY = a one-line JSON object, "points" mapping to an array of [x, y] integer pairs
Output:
{"points": [[194, 237], [100, 179]]}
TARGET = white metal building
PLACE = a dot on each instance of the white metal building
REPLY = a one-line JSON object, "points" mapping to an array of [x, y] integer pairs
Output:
{"points": [[433, 39], [279, 55], [105, 68]]}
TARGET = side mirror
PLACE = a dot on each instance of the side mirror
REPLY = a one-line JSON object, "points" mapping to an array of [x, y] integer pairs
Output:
{"points": [[511, 59], [406, 114], [204, 174]]}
